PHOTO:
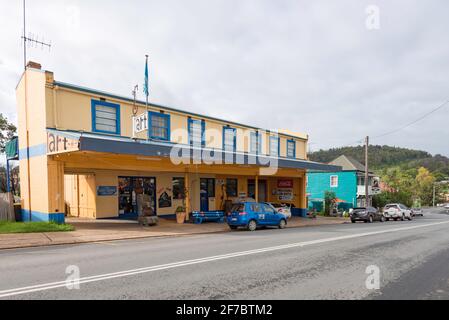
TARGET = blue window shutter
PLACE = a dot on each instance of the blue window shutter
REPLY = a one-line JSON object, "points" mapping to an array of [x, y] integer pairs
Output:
{"points": [[190, 123], [203, 133], [271, 151], [291, 145], [234, 138]]}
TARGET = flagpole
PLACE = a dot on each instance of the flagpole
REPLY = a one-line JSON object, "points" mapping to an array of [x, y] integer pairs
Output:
{"points": [[147, 94]]}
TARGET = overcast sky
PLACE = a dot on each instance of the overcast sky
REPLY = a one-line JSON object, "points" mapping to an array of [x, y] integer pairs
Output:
{"points": [[308, 66]]}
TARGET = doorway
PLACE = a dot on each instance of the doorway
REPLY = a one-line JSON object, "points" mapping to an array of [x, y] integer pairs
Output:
{"points": [[207, 191], [136, 193], [262, 190]]}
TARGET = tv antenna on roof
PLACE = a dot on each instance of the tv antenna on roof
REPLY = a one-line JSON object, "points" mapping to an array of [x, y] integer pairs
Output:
{"points": [[31, 40]]}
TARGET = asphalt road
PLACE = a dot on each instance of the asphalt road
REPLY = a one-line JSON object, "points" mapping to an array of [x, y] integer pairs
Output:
{"points": [[326, 262]]}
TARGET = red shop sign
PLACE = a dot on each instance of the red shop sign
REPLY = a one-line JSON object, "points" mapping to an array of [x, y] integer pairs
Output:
{"points": [[285, 183]]}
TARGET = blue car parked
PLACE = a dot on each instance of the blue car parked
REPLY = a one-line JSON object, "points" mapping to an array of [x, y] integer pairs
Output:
{"points": [[252, 215]]}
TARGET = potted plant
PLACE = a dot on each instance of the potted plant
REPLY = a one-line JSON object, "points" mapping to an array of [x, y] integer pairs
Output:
{"points": [[181, 214]]}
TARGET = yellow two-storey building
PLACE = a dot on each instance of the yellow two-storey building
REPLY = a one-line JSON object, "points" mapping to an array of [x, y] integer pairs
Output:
{"points": [[92, 154]]}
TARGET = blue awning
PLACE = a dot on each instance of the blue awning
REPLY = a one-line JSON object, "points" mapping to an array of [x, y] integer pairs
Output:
{"points": [[151, 148]]}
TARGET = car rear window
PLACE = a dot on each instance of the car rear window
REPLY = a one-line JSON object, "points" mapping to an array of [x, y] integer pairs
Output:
{"points": [[238, 207]]}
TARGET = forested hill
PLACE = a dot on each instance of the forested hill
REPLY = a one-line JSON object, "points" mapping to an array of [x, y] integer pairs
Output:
{"points": [[381, 157]]}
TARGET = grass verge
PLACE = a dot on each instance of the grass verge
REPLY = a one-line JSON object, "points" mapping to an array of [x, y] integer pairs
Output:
{"points": [[33, 227]]}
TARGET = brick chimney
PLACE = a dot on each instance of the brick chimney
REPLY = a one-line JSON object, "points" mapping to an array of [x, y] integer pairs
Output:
{"points": [[34, 65]]}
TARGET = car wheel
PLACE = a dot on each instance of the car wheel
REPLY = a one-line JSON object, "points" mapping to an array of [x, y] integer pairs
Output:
{"points": [[233, 227], [382, 219], [403, 217], [370, 219], [282, 224], [410, 218], [252, 225]]}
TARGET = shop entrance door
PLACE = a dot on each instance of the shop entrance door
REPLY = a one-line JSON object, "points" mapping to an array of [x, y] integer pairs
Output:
{"points": [[262, 190], [207, 190], [135, 194]]}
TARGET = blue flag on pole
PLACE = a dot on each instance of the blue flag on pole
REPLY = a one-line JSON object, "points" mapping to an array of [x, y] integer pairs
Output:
{"points": [[145, 85]]}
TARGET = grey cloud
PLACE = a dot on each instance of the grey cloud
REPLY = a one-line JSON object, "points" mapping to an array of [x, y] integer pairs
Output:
{"points": [[308, 66]]}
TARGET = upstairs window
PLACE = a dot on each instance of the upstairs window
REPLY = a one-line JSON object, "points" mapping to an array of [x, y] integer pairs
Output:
{"points": [[159, 126], [274, 146], [334, 181], [105, 117], [291, 149], [229, 139], [255, 143], [197, 130]]}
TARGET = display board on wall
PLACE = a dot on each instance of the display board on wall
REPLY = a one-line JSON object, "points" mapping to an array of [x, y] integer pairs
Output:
{"points": [[285, 195], [105, 191], [285, 183]]}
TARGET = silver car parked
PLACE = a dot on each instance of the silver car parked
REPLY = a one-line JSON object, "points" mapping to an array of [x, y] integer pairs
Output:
{"points": [[397, 211]]}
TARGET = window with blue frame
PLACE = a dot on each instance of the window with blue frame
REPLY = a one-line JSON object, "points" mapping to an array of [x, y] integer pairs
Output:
{"points": [[159, 126], [274, 146], [229, 139], [255, 143], [197, 130], [105, 117], [291, 149]]}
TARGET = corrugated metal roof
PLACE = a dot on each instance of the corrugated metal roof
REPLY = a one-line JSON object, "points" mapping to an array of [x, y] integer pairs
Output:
{"points": [[348, 163]]}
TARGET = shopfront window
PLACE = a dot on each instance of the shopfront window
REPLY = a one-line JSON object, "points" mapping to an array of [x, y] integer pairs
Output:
{"points": [[178, 188], [137, 195], [231, 187]]}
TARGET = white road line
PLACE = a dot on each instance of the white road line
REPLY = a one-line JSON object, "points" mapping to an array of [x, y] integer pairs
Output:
{"points": [[126, 273]]}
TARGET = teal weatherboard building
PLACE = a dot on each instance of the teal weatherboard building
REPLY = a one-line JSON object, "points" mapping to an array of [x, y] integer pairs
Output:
{"points": [[348, 184]]}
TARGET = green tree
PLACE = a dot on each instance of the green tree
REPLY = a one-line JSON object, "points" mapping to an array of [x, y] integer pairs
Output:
{"points": [[424, 186], [7, 132], [329, 198]]}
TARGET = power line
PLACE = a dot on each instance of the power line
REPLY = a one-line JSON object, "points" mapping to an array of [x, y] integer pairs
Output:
{"points": [[361, 141], [413, 122]]}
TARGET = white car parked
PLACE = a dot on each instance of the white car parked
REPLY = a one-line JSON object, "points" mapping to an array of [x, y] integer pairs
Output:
{"points": [[281, 208], [397, 211]]}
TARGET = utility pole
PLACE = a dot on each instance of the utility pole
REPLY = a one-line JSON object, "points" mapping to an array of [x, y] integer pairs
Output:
{"points": [[434, 191], [367, 202]]}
